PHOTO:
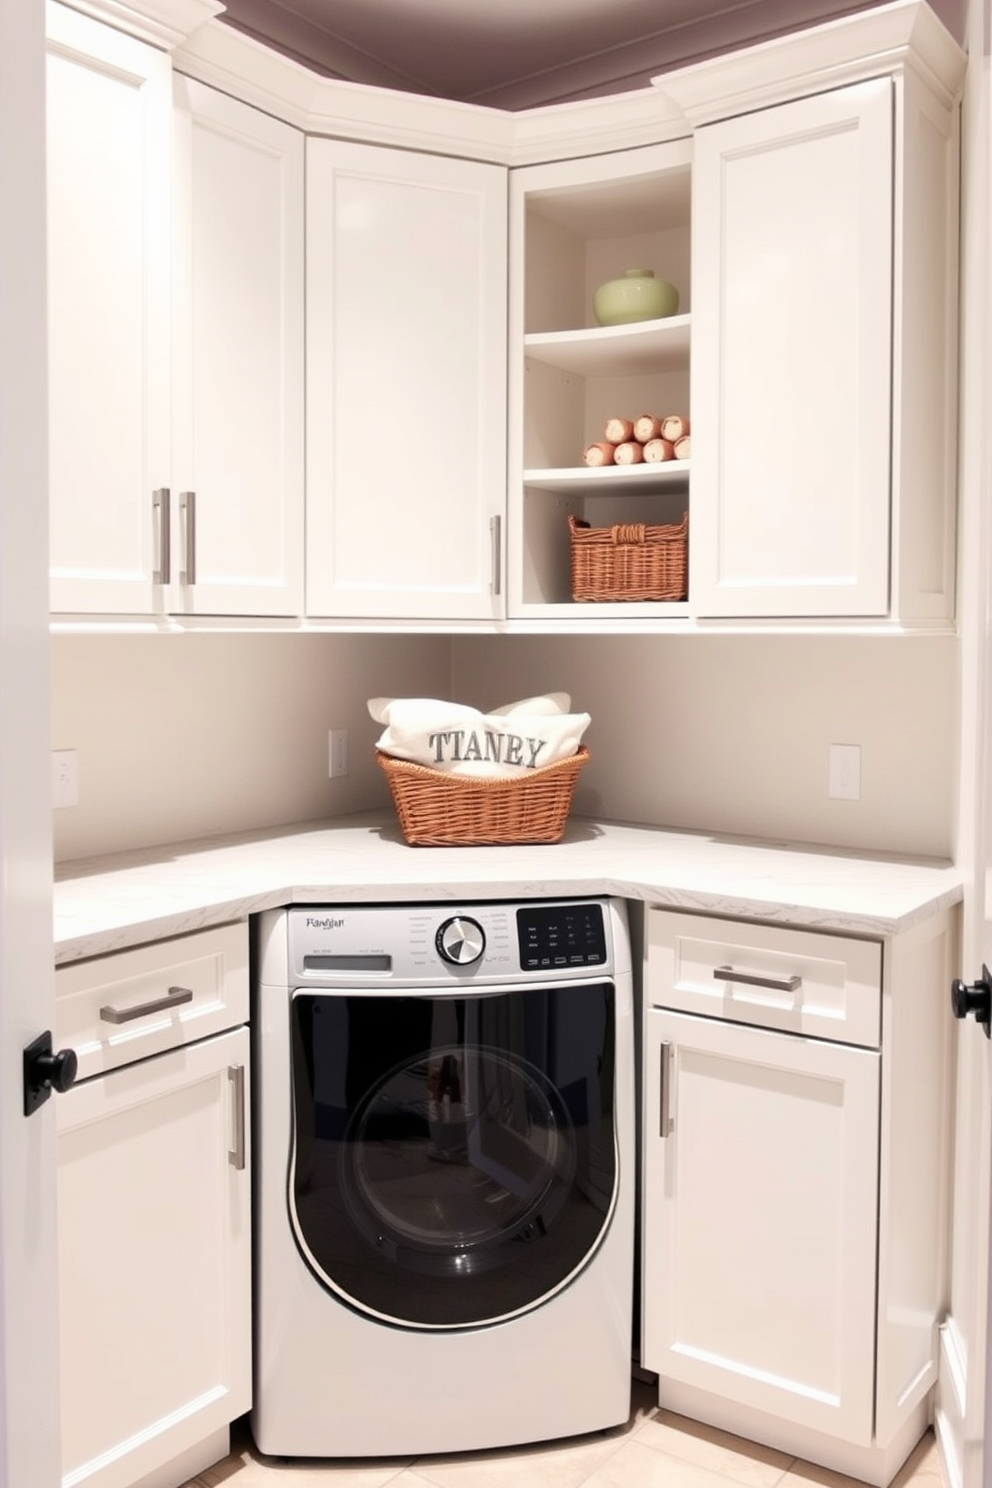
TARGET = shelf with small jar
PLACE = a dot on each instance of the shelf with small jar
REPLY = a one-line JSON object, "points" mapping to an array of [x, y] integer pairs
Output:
{"points": [[577, 227]]}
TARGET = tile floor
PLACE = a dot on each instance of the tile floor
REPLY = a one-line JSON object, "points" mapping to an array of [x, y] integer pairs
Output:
{"points": [[655, 1449]]}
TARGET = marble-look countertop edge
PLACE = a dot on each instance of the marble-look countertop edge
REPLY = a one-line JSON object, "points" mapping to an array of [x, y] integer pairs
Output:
{"points": [[115, 903]]}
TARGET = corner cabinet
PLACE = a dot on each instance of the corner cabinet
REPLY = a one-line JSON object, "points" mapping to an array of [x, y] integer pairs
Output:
{"points": [[406, 384], [574, 225], [796, 1156]]}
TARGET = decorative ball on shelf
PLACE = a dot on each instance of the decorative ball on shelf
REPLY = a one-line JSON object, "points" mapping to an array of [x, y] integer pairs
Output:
{"points": [[637, 296]]}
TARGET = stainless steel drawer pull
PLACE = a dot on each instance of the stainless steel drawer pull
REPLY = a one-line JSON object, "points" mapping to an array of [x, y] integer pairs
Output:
{"points": [[773, 984], [175, 997], [496, 536], [665, 1092], [236, 1075], [161, 508], [187, 509]]}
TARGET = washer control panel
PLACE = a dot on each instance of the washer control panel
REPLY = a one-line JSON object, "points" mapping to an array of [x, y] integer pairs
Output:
{"points": [[553, 936], [438, 944]]}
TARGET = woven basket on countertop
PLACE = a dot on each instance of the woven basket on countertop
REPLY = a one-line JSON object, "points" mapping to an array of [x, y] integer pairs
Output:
{"points": [[437, 809], [629, 561]]}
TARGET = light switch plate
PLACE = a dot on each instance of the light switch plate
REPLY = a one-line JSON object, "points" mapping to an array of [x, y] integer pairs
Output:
{"points": [[845, 772], [65, 778]]}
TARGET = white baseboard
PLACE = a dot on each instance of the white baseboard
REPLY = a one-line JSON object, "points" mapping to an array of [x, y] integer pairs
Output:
{"points": [[949, 1407]]}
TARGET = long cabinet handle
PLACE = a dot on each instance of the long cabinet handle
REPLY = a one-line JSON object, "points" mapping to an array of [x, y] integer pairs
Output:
{"points": [[175, 997], [749, 979], [236, 1075], [187, 509], [161, 509], [665, 1091], [496, 538]]}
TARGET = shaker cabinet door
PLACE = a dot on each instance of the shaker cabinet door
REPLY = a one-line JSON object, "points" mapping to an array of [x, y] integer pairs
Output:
{"points": [[109, 150], [154, 1261], [406, 384], [791, 358], [760, 1220], [238, 359]]}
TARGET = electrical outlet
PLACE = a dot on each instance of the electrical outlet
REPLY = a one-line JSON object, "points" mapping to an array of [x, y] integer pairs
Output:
{"points": [[65, 778], [845, 772], [337, 753]]}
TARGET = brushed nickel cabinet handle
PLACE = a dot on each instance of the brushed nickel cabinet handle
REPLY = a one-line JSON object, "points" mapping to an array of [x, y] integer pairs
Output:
{"points": [[187, 508], [748, 979], [236, 1075], [161, 509], [496, 534], [665, 1091], [175, 997]]}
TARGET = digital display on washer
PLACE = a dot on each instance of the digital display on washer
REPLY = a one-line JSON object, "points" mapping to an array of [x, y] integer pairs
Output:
{"points": [[558, 935]]}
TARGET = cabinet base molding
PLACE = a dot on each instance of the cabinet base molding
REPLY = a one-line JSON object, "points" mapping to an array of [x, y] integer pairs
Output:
{"points": [[950, 1405], [190, 1463], [876, 1465]]}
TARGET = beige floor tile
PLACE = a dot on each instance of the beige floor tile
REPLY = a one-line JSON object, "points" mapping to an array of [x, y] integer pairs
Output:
{"points": [[247, 1468], [923, 1468], [564, 1464], [635, 1465], [718, 1451]]}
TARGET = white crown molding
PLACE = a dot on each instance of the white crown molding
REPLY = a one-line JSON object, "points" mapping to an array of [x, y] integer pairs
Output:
{"points": [[884, 40], [872, 43], [595, 126], [235, 63], [163, 23]]}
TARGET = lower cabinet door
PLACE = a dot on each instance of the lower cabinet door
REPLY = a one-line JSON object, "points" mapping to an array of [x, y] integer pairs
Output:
{"points": [[154, 1260], [760, 1199]]}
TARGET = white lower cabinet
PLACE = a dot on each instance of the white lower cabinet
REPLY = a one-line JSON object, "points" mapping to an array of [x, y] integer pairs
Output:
{"points": [[769, 1150], [795, 1142], [154, 1220]]}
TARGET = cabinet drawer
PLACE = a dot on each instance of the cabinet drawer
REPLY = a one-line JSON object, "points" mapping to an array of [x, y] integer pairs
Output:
{"points": [[825, 986], [115, 1009]]}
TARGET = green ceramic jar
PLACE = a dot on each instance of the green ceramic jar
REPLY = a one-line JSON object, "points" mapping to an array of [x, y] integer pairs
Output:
{"points": [[637, 296]]}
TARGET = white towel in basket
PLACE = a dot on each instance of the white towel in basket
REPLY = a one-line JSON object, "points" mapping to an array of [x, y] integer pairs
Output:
{"points": [[511, 740]]}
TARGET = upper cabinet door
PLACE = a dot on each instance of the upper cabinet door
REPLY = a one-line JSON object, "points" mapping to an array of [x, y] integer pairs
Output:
{"points": [[238, 359], [406, 383], [109, 143], [791, 358]]}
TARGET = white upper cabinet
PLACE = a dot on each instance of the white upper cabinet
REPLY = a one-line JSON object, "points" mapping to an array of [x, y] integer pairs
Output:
{"points": [[823, 356], [109, 151], [175, 338], [406, 384], [792, 232], [237, 469]]}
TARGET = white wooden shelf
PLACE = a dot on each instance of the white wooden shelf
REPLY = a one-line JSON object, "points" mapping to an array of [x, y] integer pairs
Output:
{"points": [[648, 345], [647, 478]]}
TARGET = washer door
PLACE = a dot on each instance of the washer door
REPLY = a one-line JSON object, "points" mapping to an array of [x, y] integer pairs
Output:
{"points": [[454, 1157]]}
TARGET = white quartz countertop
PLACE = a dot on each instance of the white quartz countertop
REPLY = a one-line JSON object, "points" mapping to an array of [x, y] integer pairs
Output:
{"points": [[110, 903]]}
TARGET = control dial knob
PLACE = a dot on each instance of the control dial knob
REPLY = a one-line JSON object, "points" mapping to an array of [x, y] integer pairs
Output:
{"points": [[460, 941]]}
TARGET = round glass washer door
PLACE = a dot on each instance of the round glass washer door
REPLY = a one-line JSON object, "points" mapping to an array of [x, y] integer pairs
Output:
{"points": [[465, 1181]]}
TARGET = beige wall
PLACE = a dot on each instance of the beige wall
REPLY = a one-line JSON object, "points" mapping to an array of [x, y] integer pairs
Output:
{"points": [[731, 733], [184, 735]]}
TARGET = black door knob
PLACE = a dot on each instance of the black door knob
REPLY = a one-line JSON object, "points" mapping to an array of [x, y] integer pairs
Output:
{"points": [[45, 1071], [975, 999]]}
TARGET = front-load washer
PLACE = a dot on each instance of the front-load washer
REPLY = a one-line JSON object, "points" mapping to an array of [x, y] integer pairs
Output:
{"points": [[444, 1181]]}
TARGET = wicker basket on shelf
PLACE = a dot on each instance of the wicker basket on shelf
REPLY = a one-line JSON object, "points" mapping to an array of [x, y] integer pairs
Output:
{"points": [[436, 809], [630, 561]]}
